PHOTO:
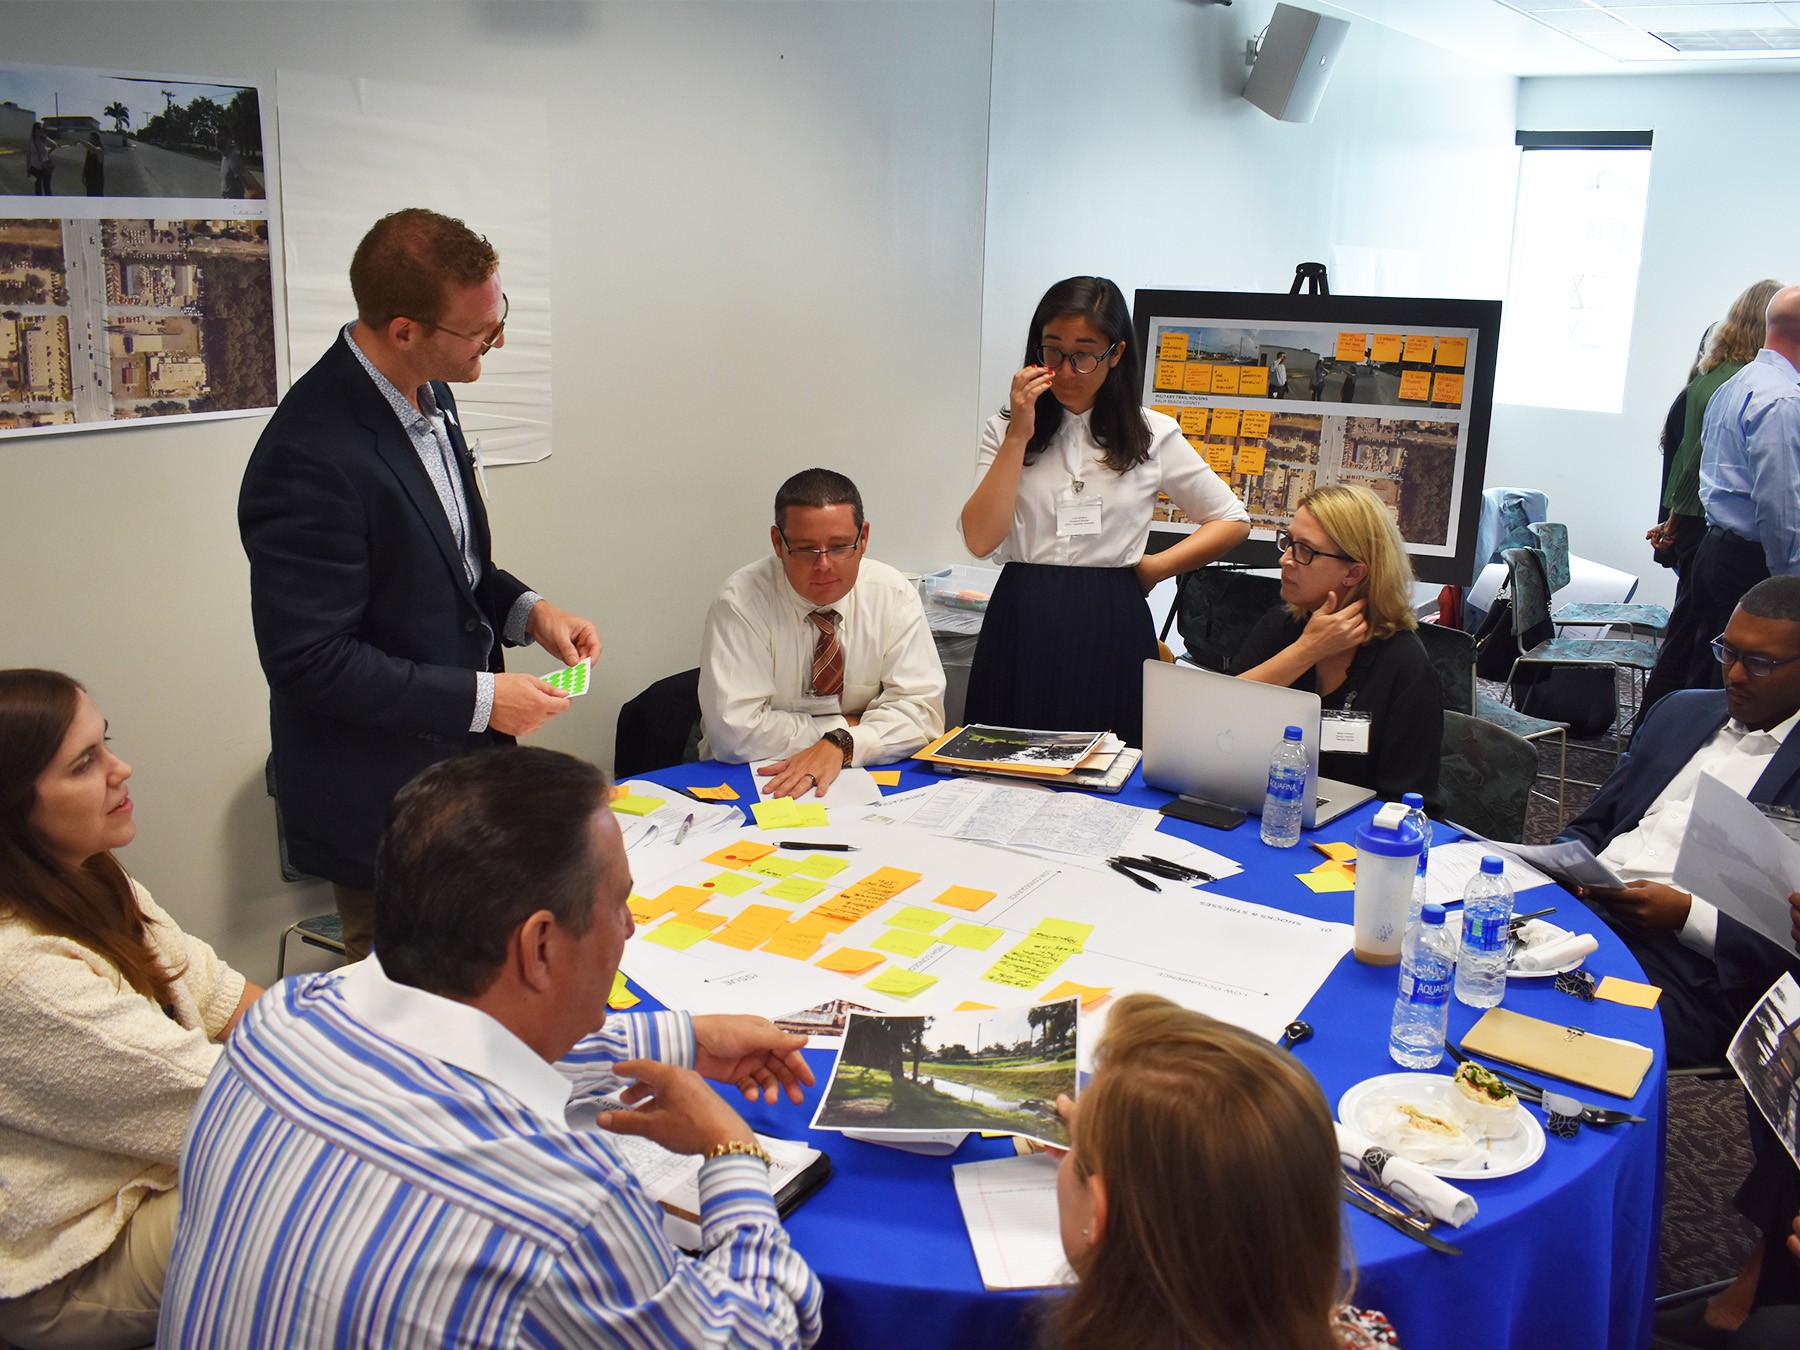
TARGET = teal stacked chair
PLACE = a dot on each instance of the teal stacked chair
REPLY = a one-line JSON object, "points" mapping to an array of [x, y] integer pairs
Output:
{"points": [[1640, 619], [1486, 778]]}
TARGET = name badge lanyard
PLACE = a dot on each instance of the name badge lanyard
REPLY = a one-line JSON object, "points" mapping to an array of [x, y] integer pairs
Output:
{"points": [[1345, 731], [1077, 511]]}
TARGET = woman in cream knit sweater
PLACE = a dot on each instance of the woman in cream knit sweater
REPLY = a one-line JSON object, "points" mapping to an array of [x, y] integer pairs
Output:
{"points": [[112, 1019]]}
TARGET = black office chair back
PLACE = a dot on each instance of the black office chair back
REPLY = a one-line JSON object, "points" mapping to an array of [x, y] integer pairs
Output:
{"points": [[1485, 777], [1215, 609], [659, 727]]}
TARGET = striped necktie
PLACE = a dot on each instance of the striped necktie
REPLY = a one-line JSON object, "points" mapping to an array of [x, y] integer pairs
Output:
{"points": [[828, 654]]}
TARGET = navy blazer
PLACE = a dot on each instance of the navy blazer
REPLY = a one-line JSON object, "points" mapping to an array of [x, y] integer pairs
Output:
{"points": [[1672, 733], [366, 625]]}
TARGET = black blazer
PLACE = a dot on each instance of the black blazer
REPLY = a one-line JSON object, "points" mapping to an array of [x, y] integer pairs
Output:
{"points": [[366, 625], [1672, 733]]}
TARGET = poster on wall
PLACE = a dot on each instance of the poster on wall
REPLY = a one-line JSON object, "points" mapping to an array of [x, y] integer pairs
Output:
{"points": [[1284, 393], [135, 260]]}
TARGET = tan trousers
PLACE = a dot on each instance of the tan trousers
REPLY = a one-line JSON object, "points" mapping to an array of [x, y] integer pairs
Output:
{"points": [[110, 1303], [357, 910]]}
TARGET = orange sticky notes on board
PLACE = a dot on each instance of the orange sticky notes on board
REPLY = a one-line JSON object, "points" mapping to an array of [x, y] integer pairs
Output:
{"points": [[850, 961], [741, 938], [1415, 385], [740, 854], [1350, 346], [1445, 388], [968, 1005], [1385, 348], [1197, 378], [1172, 347], [1629, 992], [681, 899], [1225, 422], [1225, 380], [1418, 348], [965, 898], [1250, 460], [1089, 995], [1254, 423], [1452, 351], [1253, 381], [1193, 421], [644, 910], [1337, 852]]}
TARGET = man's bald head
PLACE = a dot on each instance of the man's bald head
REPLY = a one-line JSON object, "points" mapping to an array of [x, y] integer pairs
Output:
{"points": [[1784, 323]]}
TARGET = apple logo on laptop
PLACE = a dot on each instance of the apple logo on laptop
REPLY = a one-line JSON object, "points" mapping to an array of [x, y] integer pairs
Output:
{"points": [[1227, 741]]}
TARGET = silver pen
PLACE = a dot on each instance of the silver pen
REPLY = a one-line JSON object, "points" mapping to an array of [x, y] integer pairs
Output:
{"points": [[682, 832]]}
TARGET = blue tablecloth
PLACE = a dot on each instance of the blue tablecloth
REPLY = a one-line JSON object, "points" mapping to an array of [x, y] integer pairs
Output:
{"points": [[1564, 1253]]}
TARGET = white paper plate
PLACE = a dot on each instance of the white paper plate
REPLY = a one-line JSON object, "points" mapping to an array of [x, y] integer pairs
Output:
{"points": [[1533, 934], [1430, 1092]]}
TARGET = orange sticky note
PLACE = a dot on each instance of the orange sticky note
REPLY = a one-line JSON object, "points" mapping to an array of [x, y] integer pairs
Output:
{"points": [[681, 899], [1087, 993], [1415, 385], [1253, 381], [724, 792], [1172, 347], [1385, 348], [1250, 460], [1418, 348], [1197, 378], [1193, 421], [885, 777], [1338, 852], [1452, 351], [760, 919], [740, 854], [1169, 375], [965, 898], [645, 910], [1629, 992], [1446, 388], [1218, 457], [850, 961], [1225, 421], [968, 1006], [1225, 380], [1350, 346], [740, 938], [1254, 424]]}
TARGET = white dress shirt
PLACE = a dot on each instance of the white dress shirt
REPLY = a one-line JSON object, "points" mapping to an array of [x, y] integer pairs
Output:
{"points": [[1128, 499], [756, 668], [1736, 756]]}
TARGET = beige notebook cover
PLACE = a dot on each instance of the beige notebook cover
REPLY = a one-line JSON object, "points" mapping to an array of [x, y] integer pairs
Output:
{"points": [[1581, 1057]]}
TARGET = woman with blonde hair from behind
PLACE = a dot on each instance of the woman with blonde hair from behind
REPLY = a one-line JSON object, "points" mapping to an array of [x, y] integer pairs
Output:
{"points": [[1197, 1150], [1345, 630]]}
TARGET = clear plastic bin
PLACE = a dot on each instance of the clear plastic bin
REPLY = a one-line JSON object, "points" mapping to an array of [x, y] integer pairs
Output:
{"points": [[956, 598]]}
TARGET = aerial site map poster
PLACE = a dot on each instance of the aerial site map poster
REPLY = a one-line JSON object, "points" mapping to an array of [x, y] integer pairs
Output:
{"points": [[135, 277], [1281, 394]]}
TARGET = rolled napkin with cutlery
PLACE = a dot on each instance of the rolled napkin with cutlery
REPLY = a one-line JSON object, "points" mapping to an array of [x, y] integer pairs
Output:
{"points": [[1559, 952], [1438, 1197]]}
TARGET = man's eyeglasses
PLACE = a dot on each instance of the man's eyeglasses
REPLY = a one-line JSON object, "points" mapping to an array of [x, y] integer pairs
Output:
{"points": [[487, 343], [1754, 662], [809, 556], [1305, 553], [1085, 363]]}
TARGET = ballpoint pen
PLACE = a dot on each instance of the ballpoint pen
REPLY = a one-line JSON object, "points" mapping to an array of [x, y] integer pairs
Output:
{"points": [[1125, 871], [818, 844], [685, 825], [1173, 870]]}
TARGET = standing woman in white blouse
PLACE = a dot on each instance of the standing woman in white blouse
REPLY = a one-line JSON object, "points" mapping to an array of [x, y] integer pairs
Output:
{"points": [[1065, 484]]}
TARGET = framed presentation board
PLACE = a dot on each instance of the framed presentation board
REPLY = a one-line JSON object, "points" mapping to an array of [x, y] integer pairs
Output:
{"points": [[1282, 393]]}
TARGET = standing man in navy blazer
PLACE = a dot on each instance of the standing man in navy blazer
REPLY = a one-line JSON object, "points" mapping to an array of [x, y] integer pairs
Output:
{"points": [[378, 610], [1710, 967]]}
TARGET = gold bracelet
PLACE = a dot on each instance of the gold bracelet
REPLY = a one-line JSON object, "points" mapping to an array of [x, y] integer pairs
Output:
{"points": [[736, 1148]]}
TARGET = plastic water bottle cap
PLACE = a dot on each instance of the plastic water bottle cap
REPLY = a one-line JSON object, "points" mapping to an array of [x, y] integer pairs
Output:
{"points": [[1432, 914], [1294, 734], [1413, 801], [1491, 865]]}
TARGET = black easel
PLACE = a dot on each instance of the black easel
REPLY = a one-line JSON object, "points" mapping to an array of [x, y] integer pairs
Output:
{"points": [[1312, 276]]}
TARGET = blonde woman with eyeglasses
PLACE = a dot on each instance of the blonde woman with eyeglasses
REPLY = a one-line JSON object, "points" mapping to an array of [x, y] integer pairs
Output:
{"points": [[1345, 631]]}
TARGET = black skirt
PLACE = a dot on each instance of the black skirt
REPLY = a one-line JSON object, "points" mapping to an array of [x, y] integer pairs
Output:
{"points": [[1063, 649]]}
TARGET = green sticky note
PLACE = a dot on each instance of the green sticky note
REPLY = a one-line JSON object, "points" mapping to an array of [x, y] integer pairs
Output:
{"points": [[635, 806], [675, 934], [918, 920], [903, 943], [824, 865], [776, 814], [795, 889], [974, 935], [775, 865], [901, 983], [571, 680], [730, 883], [1076, 933]]}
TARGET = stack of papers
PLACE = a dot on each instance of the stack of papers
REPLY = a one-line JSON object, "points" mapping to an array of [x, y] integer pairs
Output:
{"points": [[1027, 753], [649, 813], [1009, 1206]]}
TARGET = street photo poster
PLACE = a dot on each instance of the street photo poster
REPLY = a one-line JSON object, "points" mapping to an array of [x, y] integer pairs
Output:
{"points": [[135, 272], [1765, 1053]]}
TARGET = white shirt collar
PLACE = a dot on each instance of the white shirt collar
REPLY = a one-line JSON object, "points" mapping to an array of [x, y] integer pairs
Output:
{"points": [[456, 1033], [1778, 733]]}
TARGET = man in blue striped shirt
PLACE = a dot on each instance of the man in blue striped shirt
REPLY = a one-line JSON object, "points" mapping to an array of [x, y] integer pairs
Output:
{"points": [[381, 1157]]}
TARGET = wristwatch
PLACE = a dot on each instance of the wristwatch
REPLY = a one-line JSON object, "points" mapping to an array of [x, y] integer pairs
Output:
{"points": [[738, 1148], [840, 737]]}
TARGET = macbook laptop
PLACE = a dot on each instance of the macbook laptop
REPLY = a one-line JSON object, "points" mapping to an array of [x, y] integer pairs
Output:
{"points": [[1210, 736]]}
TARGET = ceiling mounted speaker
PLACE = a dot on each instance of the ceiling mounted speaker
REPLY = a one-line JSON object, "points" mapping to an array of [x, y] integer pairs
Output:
{"points": [[1293, 62]]}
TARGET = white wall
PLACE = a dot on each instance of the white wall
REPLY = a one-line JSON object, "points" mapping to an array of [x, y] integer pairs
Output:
{"points": [[1720, 215], [767, 248]]}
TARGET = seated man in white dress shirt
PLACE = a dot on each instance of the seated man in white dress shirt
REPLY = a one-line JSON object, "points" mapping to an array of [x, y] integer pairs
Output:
{"points": [[817, 656], [1710, 967], [400, 1154]]}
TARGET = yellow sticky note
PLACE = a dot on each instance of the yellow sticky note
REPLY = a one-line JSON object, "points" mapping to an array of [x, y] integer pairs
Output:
{"points": [[902, 943], [635, 806], [822, 865], [740, 854], [1089, 995], [1225, 421], [918, 919], [795, 889], [1337, 852], [676, 934], [699, 918], [1067, 929], [1172, 347], [730, 883], [1250, 459], [778, 813], [1253, 382], [794, 943], [885, 777], [1415, 385], [976, 936], [1350, 346], [724, 792], [807, 814], [1336, 867], [1197, 378], [1255, 423], [901, 983], [1225, 379], [1323, 882], [1418, 348], [777, 865], [621, 997], [1193, 421], [965, 898], [1629, 992], [1385, 347], [1218, 457], [969, 1006], [1446, 388], [1453, 352], [850, 961], [1169, 376]]}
